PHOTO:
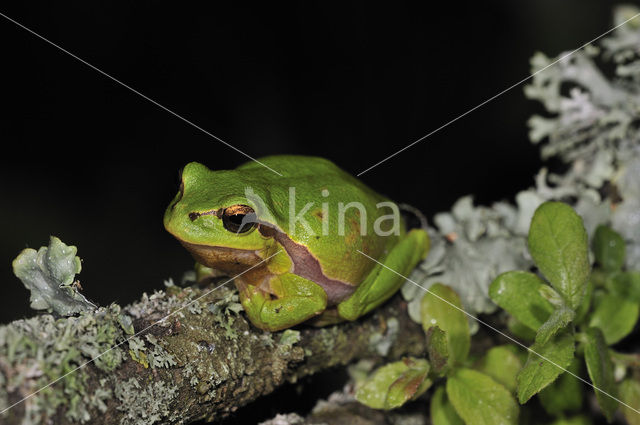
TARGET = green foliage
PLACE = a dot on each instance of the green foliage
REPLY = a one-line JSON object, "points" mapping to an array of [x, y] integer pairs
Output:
{"points": [[615, 316], [559, 319], [572, 318], [608, 248], [392, 385], [629, 392], [441, 307], [442, 411], [479, 400], [544, 364], [600, 370], [502, 364], [625, 284], [520, 330], [605, 308], [565, 393], [569, 313], [520, 293], [437, 349], [585, 305], [558, 245]]}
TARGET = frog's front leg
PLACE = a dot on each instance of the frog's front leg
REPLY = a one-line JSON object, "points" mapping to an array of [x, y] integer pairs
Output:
{"points": [[296, 299], [206, 274], [382, 282]]}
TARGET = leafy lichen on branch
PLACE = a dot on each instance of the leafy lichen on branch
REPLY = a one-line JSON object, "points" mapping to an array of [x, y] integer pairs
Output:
{"points": [[203, 360]]}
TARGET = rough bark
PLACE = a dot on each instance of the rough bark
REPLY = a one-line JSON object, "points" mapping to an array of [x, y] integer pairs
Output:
{"points": [[203, 361]]}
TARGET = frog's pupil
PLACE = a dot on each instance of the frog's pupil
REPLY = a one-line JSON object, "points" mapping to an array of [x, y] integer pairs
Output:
{"points": [[239, 222], [236, 219]]}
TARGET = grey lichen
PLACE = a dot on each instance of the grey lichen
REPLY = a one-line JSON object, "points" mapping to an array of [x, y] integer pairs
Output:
{"points": [[289, 337], [471, 246], [100, 397], [144, 404], [137, 351], [593, 127], [158, 357], [49, 274], [225, 310], [42, 350], [382, 342]]}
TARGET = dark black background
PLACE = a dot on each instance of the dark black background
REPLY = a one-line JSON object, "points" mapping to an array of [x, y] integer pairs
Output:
{"points": [[89, 161]]}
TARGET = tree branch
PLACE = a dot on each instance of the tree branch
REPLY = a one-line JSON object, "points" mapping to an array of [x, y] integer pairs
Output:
{"points": [[202, 362]]}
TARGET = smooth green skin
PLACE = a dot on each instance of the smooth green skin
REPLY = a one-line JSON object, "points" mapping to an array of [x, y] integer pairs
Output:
{"points": [[299, 299]]}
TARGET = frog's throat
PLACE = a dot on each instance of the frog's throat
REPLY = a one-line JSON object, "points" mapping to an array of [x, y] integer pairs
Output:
{"points": [[233, 261], [230, 261]]}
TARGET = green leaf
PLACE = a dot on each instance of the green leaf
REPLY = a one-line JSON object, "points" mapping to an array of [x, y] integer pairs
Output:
{"points": [[558, 245], [437, 310], [608, 248], [442, 411], [600, 369], [630, 395], [479, 400], [438, 350], [520, 294], [559, 319], [585, 304], [565, 393], [502, 364], [538, 372], [394, 384], [520, 330], [625, 284], [615, 316]]}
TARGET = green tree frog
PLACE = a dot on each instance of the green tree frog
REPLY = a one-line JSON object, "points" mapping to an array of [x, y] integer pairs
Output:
{"points": [[298, 242]]}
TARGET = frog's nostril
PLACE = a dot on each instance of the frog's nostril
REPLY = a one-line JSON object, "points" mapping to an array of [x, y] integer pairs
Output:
{"points": [[193, 215]]}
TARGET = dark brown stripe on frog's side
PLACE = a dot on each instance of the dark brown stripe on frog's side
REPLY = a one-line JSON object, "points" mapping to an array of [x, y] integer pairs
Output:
{"points": [[307, 266]]}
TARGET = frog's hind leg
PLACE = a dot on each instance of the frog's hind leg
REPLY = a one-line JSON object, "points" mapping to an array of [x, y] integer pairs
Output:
{"points": [[296, 300], [382, 283]]}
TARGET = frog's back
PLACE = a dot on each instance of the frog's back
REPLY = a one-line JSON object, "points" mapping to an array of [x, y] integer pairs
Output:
{"points": [[294, 166], [336, 249], [309, 171]]}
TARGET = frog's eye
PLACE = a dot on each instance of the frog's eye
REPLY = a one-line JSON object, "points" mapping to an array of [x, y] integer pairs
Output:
{"points": [[239, 218]]}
